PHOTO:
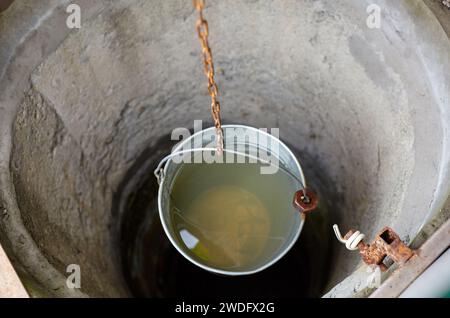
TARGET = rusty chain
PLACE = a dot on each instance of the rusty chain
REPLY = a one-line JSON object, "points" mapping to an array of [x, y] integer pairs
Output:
{"points": [[208, 68]]}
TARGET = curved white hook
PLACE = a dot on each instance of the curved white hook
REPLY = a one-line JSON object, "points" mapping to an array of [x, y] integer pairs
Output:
{"points": [[352, 242]]}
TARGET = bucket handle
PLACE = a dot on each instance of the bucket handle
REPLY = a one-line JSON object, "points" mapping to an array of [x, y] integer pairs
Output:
{"points": [[305, 200], [159, 171]]}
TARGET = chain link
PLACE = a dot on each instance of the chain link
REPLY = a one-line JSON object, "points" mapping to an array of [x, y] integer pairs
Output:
{"points": [[208, 68]]}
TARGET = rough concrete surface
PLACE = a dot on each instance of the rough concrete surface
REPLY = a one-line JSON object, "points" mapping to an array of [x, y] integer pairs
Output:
{"points": [[367, 111]]}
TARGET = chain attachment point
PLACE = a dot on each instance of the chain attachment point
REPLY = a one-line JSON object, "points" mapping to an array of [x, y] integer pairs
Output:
{"points": [[305, 201]]}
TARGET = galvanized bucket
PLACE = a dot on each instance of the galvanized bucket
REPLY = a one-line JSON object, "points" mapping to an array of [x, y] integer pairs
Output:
{"points": [[257, 145]]}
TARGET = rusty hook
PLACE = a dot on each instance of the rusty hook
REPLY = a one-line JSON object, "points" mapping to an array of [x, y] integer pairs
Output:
{"points": [[387, 243]]}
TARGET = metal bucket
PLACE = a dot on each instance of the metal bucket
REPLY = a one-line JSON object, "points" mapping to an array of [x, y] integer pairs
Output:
{"points": [[253, 144]]}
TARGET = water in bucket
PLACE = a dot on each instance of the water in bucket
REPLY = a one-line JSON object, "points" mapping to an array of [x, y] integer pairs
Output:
{"points": [[230, 216]]}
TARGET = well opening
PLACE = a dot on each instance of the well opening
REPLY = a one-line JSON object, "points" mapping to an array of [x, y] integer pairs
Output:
{"points": [[154, 268]]}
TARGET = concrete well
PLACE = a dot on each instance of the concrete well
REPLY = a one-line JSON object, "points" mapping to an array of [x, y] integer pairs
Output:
{"points": [[85, 114]]}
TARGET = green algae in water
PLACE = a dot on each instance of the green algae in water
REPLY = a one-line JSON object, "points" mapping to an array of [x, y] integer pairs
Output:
{"points": [[232, 217]]}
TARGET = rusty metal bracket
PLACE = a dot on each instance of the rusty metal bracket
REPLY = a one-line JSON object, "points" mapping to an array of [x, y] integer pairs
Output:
{"points": [[387, 243], [423, 257]]}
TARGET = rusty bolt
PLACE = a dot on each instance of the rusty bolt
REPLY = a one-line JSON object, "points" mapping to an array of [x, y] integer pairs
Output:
{"points": [[305, 200]]}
